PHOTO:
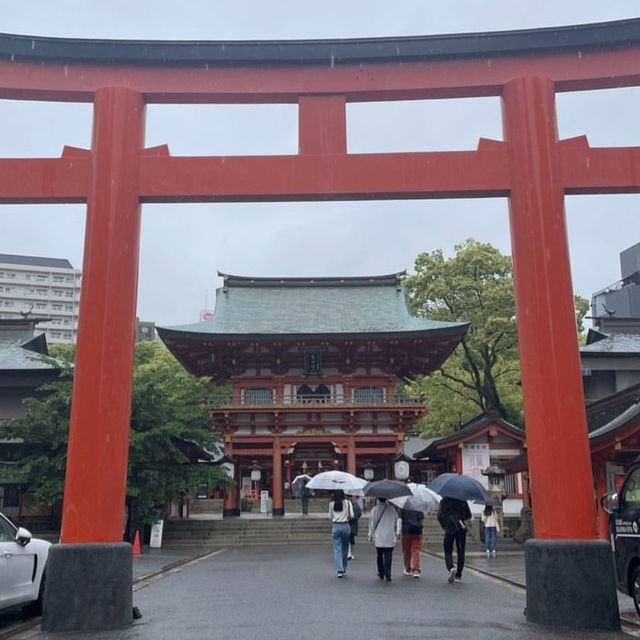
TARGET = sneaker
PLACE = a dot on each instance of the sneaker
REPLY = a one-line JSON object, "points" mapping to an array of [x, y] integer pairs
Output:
{"points": [[340, 574], [452, 575], [416, 574], [350, 557], [381, 577], [493, 553], [456, 579], [488, 554], [388, 578], [407, 572]]}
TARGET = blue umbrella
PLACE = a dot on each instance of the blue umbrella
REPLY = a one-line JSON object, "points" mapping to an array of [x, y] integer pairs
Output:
{"points": [[461, 487]]}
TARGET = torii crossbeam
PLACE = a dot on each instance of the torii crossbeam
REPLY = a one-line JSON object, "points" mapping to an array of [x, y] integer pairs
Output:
{"points": [[532, 167]]}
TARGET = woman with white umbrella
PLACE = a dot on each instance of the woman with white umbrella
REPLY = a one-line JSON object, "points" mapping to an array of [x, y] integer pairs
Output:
{"points": [[340, 512]]}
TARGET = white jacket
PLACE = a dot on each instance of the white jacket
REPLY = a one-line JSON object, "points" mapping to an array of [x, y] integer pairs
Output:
{"points": [[383, 523], [491, 521]]}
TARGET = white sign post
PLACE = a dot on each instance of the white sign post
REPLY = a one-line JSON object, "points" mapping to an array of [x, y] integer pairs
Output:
{"points": [[156, 534]]}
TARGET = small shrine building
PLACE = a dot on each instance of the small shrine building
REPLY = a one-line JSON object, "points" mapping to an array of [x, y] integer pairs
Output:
{"points": [[315, 366]]}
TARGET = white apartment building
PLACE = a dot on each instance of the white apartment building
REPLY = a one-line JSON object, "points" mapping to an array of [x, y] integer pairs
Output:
{"points": [[45, 288]]}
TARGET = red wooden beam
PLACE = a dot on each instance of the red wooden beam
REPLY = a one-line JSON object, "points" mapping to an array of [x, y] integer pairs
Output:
{"points": [[461, 174], [44, 180], [588, 169], [435, 78]]}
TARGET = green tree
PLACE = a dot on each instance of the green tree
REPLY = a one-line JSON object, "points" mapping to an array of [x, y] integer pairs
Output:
{"points": [[475, 285], [166, 402]]}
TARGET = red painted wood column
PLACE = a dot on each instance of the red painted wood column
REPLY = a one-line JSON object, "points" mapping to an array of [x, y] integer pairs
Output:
{"points": [[278, 502], [322, 125], [600, 473], [96, 474], [561, 484], [351, 455]]}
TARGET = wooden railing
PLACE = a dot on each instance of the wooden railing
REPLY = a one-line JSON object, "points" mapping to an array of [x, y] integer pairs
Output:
{"points": [[231, 403]]}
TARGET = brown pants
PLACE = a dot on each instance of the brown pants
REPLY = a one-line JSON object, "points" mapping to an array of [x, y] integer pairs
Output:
{"points": [[411, 547]]}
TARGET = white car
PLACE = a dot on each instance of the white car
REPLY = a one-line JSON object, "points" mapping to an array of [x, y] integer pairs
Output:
{"points": [[22, 567]]}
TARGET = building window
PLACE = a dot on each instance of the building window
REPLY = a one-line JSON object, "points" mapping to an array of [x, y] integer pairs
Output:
{"points": [[69, 294], [313, 362], [41, 305], [258, 396], [11, 274], [368, 395], [58, 279], [40, 277]]}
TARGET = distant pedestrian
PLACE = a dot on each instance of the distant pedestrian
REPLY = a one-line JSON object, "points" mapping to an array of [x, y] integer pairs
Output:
{"points": [[383, 523], [411, 539], [452, 515], [353, 523], [491, 530], [340, 512], [305, 494]]}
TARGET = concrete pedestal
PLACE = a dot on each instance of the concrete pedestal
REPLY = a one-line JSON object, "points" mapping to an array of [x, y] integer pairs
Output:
{"points": [[88, 587], [571, 583]]}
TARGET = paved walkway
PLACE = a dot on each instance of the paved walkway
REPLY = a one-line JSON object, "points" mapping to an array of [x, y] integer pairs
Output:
{"points": [[290, 592]]}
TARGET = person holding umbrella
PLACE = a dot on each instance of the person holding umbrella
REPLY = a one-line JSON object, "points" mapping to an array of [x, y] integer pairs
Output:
{"points": [[411, 540], [451, 516], [383, 523], [340, 512], [455, 490]]}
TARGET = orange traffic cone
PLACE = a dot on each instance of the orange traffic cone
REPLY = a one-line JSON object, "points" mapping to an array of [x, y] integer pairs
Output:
{"points": [[136, 544]]}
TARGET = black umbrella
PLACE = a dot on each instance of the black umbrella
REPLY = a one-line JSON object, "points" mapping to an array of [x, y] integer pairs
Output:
{"points": [[461, 487], [386, 489]]}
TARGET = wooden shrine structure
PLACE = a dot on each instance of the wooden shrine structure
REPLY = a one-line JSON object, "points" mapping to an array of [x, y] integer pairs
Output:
{"points": [[315, 365]]}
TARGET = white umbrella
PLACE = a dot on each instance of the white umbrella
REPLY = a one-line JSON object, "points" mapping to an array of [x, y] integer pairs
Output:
{"points": [[298, 482], [336, 480], [421, 499]]}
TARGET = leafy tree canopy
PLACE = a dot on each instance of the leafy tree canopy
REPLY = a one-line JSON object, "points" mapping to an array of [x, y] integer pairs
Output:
{"points": [[475, 285], [166, 402]]}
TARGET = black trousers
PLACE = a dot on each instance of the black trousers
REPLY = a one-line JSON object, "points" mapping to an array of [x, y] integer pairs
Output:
{"points": [[460, 538], [384, 555]]}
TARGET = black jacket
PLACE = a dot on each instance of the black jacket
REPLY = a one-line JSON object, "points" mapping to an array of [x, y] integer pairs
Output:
{"points": [[411, 522], [452, 514]]}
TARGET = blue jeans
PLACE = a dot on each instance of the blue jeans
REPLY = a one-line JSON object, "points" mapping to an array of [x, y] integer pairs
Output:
{"points": [[490, 538], [340, 533]]}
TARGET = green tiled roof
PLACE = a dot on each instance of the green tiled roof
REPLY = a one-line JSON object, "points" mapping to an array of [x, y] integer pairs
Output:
{"points": [[291, 306], [14, 357]]}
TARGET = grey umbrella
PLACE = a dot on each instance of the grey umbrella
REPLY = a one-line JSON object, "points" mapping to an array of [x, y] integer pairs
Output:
{"points": [[459, 486], [386, 489]]}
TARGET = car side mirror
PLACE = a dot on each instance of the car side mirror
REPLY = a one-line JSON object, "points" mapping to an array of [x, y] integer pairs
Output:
{"points": [[23, 537], [610, 502]]}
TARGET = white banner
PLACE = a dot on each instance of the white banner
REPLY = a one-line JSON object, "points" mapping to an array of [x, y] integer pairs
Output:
{"points": [[475, 458]]}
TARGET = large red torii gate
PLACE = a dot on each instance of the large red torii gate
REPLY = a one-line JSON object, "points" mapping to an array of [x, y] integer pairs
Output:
{"points": [[531, 167]]}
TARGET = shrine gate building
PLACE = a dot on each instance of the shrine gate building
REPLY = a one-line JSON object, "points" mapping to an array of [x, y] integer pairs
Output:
{"points": [[315, 366]]}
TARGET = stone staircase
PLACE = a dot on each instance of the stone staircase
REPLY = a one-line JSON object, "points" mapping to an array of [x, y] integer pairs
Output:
{"points": [[195, 534]]}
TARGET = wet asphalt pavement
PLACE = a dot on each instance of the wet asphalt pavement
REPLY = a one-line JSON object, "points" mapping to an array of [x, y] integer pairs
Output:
{"points": [[291, 592]]}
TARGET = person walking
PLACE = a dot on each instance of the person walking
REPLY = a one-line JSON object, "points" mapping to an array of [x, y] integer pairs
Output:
{"points": [[305, 494], [491, 530], [383, 523], [410, 526], [340, 512], [357, 512], [452, 515]]}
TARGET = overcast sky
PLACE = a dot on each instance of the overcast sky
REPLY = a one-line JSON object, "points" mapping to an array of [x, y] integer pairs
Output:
{"points": [[183, 246]]}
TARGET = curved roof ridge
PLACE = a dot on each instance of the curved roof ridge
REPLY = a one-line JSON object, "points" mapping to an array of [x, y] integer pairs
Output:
{"points": [[391, 279], [320, 51]]}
